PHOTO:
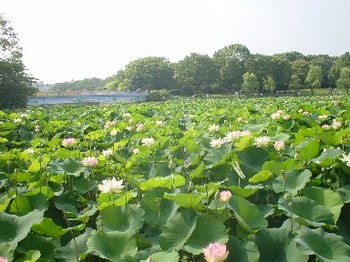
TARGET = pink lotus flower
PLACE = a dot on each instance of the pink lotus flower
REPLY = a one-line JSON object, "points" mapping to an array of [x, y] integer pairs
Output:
{"points": [[279, 145], [140, 127], [225, 196], [336, 125], [3, 259], [90, 161], [215, 252], [68, 142], [110, 123]]}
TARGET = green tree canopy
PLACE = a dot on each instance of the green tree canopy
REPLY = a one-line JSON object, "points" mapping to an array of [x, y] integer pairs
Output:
{"points": [[250, 83], [295, 84], [149, 73], [230, 61], [15, 84], [196, 71], [325, 62], [281, 71], [344, 79], [269, 84], [260, 65], [342, 61], [314, 78], [300, 68]]}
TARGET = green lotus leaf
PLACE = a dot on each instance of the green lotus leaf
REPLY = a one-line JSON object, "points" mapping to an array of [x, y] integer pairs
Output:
{"points": [[327, 247], [15, 228], [277, 167], [247, 214], [243, 192], [121, 218], [217, 156], [178, 230], [45, 245], [76, 247], [165, 182], [187, 200], [208, 230], [5, 201], [22, 205], [281, 137], [307, 211], [327, 198], [165, 256], [277, 244], [157, 209], [114, 246], [243, 251], [261, 176], [308, 149], [292, 182], [253, 158], [71, 167], [198, 172], [49, 228], [344, 193], [32, 256], [328, 157], [6, 251], [36, 165]]}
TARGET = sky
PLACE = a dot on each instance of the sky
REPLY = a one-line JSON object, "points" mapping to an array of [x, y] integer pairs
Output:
{"points": [[66, 40]]}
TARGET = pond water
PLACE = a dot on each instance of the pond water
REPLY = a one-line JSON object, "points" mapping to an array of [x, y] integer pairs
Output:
{"points": [[91, 98]]}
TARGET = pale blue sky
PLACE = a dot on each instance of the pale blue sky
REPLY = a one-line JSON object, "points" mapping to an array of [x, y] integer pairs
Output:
{"points": [[76, 39]]}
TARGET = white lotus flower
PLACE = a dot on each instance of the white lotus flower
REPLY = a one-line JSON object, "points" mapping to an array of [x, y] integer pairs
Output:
{"points": [[111, 185], [147, 141]]}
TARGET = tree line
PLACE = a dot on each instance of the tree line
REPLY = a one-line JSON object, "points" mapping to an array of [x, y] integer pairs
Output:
{"points": [[234, 69], [231, 69]]}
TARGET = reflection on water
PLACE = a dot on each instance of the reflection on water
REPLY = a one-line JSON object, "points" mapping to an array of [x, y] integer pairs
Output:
{"points": [[111, 97]]}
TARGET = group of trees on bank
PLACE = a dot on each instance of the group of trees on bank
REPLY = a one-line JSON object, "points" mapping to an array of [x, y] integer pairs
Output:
{"points": [[233, 69], [15, 83]]}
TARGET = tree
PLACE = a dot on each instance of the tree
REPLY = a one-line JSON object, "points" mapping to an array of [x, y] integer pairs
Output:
{"points": [[314, 78], [300, 68], [269, 84], [196, 72], [260, 65], [15, 84], [340, 62], [149, 73], [281, 71], [344, 79], [116, 82], [295, 84], [326, 63], [250, 83], [230, 61]]}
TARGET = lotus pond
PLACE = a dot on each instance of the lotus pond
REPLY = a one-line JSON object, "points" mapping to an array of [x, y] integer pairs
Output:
{"points": [[263, 179]]}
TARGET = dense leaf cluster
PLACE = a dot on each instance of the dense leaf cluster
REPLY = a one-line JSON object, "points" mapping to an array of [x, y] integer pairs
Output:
{"points": [[289, 202]]}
